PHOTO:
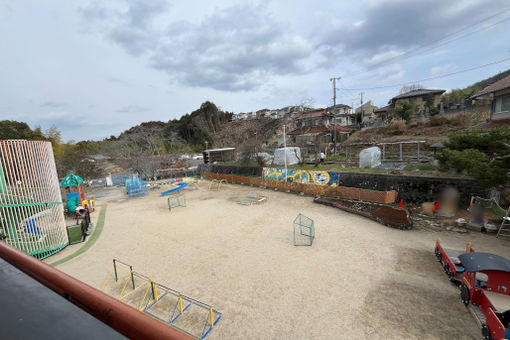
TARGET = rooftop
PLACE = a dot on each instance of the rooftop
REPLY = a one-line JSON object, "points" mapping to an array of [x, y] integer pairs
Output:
{"points": [[313, 114], [417, 93], [339, 106], [497, 86], [384, 108]]}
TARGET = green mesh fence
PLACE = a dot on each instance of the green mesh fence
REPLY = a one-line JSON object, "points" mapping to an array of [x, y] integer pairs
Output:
{"points": [[304, 232], [75, 233], [176, 200]]}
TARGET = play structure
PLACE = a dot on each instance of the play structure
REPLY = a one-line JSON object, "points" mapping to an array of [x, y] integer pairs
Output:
{"points": [[489, 204], [163, 303], [485, 289], [304, 231], [31, 209], [73, 193], [178, 188], [504, 228], [135, 186], [176, 200], [450, 261], [249, 199], [484, 281], [216, 184]]}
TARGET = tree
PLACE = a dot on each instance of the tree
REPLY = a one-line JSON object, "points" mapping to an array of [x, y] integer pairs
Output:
{"points": [[405, 110], [408, 88], [483, 154], [11, 129], [55, 137]]}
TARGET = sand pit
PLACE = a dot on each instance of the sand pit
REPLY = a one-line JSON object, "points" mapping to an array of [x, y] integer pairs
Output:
{"points": [[359, 279]]}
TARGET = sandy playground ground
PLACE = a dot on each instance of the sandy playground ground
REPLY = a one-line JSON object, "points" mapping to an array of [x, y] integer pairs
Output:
{"points": [[359, 280]]}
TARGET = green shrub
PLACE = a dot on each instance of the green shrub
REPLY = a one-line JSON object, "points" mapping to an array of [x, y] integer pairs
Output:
{"points": [[477, 164], [492, 140], [462, 160]]}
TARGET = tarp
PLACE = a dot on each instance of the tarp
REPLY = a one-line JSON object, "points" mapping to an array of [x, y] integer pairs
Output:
{"points": [[71, 180], [370, 157], [475, 262], [293, 155]]}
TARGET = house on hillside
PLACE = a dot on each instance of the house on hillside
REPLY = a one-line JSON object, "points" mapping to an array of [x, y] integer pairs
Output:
{"points": [[368, 109], [264, 113], [342, 115], [239, 116], [382, 114], [314, 129], [499, 92], [340, 109], [420, 97], [425, 99]]}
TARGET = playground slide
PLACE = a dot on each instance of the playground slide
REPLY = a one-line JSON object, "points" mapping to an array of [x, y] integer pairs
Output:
{"points": [[182, 185], [491, 204]]}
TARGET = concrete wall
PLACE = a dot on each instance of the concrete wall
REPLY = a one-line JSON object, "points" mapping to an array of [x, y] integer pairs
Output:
{"points": [[412, 189]]}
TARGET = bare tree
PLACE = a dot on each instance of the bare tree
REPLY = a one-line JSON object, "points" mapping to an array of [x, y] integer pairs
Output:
{"points": [[408, 88]]}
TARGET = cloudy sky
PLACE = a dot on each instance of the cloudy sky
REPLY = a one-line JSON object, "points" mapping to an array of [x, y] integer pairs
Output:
{"points": [[96, 68]]}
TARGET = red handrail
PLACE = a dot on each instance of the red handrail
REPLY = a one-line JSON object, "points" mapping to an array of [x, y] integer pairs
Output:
{"points": [[114, 313]]}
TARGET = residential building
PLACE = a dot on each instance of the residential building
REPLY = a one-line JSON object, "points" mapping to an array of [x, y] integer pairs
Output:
{"points": [[368, 109], [499, 93], [342, 115], [315, 128], [382, 114], [340, 109], [420, 97]]}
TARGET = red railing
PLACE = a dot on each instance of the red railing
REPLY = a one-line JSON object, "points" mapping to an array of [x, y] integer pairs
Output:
{"points": [[117, 315]]}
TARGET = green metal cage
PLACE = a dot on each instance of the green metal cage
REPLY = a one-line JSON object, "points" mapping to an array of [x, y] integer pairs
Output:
{"points": [[304, 231]]}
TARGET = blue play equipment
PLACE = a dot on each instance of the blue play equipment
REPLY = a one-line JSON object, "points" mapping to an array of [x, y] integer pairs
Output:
{"points": [[182, 185], [136, 187], [31, 226]]}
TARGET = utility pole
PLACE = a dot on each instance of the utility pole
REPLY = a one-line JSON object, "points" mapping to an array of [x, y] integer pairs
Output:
{"points": [[361, 108], [285, 150], [334, 115]]}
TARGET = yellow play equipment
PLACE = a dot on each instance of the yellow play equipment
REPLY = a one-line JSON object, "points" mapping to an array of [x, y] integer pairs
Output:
{"points": [[168, 305], [217, 183]]}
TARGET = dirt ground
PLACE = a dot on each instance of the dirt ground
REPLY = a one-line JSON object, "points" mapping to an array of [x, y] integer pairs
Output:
{"points": [[359, 280]]}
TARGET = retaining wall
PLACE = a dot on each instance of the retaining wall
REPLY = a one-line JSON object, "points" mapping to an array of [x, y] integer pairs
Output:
{"points": [[311, 189], [415, 189], [412, 189]]}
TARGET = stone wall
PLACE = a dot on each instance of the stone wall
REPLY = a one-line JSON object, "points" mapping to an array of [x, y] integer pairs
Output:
{"points": [[414, 189]]}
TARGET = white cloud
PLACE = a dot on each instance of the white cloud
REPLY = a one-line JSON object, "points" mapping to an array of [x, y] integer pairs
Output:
{"points": [[437, 70]]}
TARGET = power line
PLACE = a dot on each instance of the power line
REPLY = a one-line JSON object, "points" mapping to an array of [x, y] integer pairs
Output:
{"points": [[441, 41], [427, 79]]}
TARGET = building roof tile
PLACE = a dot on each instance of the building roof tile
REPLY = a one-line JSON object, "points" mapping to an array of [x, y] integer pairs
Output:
{"points": [[497, 86]]}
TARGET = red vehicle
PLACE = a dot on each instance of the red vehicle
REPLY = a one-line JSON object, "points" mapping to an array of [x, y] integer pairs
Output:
{"points": [[485, 286], [449, 259]]}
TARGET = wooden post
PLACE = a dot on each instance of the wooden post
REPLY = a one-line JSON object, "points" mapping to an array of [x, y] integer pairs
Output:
{"points": [[400, 144]]}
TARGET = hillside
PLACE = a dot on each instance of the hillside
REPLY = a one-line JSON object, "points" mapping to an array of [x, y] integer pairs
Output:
{"points": [[432, 131], [486, 82], [253, 132], [456, 96]]}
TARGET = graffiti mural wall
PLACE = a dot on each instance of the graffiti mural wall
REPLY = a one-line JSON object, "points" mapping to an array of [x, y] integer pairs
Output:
{"points": [[318, 177]]}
